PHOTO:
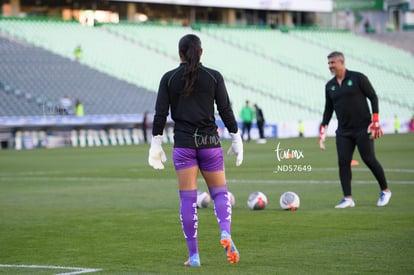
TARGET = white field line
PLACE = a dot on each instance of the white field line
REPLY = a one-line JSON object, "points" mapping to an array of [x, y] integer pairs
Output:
{"points": [[76, 270], [314, 169], [48, 176], [312, 181]]}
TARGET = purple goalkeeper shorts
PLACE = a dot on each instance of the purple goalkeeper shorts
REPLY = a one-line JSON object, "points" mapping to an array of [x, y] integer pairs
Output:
{"points": [[208, 159]]}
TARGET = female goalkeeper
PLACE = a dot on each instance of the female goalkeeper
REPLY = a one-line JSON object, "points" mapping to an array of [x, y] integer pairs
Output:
{"points": [[190, 92]]}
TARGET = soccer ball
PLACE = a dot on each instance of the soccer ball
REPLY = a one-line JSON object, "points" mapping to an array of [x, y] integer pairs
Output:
{"points": [[203, 199], [231, 198], [257, 201], [289, 201]]}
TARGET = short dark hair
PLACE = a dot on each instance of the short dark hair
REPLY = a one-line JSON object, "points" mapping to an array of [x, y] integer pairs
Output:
{"points": [[335, 54]]}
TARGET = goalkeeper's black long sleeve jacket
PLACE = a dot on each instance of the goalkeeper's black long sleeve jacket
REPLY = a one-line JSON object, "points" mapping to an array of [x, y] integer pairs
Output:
{"points": [[193, 115]]}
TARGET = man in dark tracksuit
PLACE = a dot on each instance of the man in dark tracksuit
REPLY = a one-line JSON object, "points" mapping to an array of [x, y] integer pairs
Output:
{"points": [[346, 94]]}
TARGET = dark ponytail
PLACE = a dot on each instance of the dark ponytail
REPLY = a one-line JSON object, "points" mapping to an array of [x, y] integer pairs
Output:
{"points": [[189, 48]]}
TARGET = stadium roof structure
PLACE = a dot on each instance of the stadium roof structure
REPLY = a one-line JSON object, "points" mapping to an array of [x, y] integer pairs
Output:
{"points": [[291, 5]]}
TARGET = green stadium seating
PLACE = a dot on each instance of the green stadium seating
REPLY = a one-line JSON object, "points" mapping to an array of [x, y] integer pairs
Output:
{"points": [[283, 72]]}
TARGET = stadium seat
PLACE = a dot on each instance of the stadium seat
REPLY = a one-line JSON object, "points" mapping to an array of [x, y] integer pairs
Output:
{"points": [[103, 137], [74, 138], [137, 136], [82, 138], [18, 143], [112, 137], [284, 73], [127, 136]]}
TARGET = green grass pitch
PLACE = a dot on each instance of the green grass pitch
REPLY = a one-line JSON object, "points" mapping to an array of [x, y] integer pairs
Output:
{"points": [[105, 208]]}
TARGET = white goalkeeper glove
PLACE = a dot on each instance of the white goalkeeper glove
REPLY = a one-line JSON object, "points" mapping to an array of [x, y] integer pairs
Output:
{"points": [[236, 147], [322, 136], [156, 153]]}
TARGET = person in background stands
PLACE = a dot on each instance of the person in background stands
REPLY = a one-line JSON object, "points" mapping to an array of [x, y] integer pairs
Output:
{"points": [[397, 124], [260, 123], [78, 108], [301, 129], [145, 126], [247, 116], [65, 106], [411, 125], [78, 53]]}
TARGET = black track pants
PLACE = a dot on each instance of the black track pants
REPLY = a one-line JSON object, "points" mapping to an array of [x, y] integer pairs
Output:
{"points": [[345, 145]]}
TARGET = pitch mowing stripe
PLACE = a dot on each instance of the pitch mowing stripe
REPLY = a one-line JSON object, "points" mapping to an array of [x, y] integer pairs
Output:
{"points": [[330, 169], [243, 181], [336, 181], [327, 169], [76, 270]]}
